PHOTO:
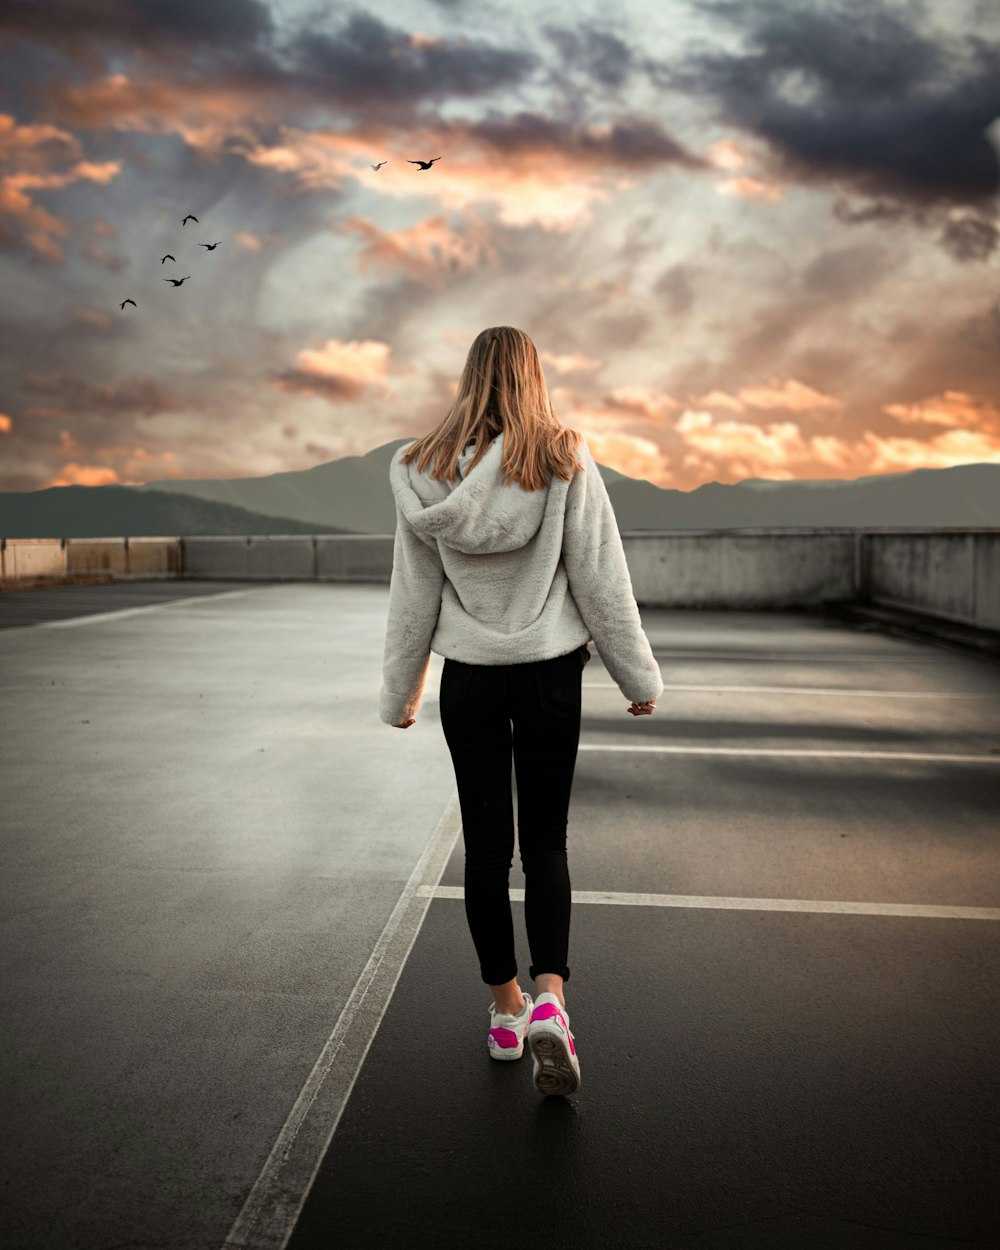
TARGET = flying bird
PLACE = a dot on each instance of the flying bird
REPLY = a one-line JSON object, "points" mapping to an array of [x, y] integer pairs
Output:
{"points": [[189, 217], [211, 246], [424, 164], [169, 257], [177, 281], [379, 165], [128, 301]]}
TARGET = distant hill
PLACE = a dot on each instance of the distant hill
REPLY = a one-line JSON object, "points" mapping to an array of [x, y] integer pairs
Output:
{"points": [[113, 511], [965, 495], [352, 495]]}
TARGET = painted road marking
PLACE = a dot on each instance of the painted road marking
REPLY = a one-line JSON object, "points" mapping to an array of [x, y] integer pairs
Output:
{"points": [[275, 1202], [941, 757], [862, 694], [97, 617], [756, 904]]}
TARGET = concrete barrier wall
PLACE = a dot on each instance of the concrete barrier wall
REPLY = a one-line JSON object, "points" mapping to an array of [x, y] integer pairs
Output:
{"points": [[953, 574], [750, 568], [25, 559]]}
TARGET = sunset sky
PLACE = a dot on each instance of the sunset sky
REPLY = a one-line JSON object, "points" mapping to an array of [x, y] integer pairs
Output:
{"points": [[749, 239]]}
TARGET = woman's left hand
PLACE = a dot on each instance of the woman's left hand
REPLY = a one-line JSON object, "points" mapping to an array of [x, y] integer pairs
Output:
{"points": [[404, 724]]}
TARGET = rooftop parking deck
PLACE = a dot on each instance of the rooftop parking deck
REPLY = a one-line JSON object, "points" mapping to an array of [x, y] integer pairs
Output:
{"points": [[242, 1006]]}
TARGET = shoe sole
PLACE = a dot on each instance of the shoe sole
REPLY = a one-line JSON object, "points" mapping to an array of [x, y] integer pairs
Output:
{"points": [[553, 1070]]}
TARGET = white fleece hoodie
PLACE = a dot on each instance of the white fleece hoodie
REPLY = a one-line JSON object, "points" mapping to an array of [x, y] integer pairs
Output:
{"points": [[488, 573]]}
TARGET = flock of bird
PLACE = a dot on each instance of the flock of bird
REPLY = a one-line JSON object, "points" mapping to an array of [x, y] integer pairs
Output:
{"points": [[212, 246]]}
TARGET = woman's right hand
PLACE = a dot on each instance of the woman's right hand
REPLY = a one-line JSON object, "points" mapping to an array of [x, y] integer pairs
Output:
{"points": [[641, 709]]}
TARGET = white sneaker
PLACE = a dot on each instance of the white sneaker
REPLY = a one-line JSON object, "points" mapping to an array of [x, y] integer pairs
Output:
{"points": [[556, 1067], [506, 1036]]}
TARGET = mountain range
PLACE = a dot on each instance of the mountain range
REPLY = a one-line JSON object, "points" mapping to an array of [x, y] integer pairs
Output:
{"points": [[352, 495]]}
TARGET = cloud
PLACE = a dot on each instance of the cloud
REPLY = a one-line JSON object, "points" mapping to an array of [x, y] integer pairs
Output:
{"points": [[428, 250], [775, 445], [635, 455], [745, 449], [603, 57], [952, 408], [969, 238], [784, 393], [890, 455], [875, 99], [646, 401], [74, 474], [28, 154], [571, 362], [137, 22], [340, 371], [78, 396], [374, 69], [534, 169]]}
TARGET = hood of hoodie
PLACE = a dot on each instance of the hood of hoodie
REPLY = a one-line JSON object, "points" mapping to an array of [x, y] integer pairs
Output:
{"points": [[478, 512]]}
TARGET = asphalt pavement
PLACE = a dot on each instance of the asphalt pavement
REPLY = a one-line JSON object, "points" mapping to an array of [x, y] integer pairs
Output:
{"points": [[243, 1007]]}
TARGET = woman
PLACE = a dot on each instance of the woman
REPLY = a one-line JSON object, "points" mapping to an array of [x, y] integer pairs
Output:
{"points": [[508, 562]]}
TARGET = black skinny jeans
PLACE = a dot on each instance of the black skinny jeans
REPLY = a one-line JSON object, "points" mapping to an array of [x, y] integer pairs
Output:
{"points": [[488, 713]]}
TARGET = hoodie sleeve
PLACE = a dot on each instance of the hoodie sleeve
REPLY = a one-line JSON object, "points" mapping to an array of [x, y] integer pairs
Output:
{"points": [[594, 559], [414, 604]]}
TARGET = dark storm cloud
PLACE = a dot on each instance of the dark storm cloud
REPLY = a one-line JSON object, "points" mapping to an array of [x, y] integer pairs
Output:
{"points": [[970, 238], [368, 62], [620, 329], [136, 21], [600, 53], [633, 142], [674, 286], [340, 389], [139, 396], [877, 210], [861, 94]]}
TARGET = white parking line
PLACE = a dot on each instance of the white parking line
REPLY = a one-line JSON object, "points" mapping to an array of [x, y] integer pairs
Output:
{"points": [[708, 656], [279, 1193], [93, 618], [941, 757], [755, 904], [829, 690]]}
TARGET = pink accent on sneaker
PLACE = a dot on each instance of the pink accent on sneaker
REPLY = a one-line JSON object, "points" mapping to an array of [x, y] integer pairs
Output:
{"points": [[506, 1038], [545, 1012]]}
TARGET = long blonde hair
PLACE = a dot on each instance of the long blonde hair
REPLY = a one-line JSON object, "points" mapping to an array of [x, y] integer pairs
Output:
{"points": [[502, 388]]}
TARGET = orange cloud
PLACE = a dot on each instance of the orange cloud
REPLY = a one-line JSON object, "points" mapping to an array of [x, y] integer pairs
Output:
{"points": [[883, 455], [203, 113], [750, 189], [25, 153], [529, 186], [253, 242], [731, 154], [727, 154], [783, 394], [120, 464], [92, 317], [425, 250], [535, 171], [570, 363], [776, 444], [631, 454], [82, 475], [339, 370], [954, 408], [645, 400]]}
